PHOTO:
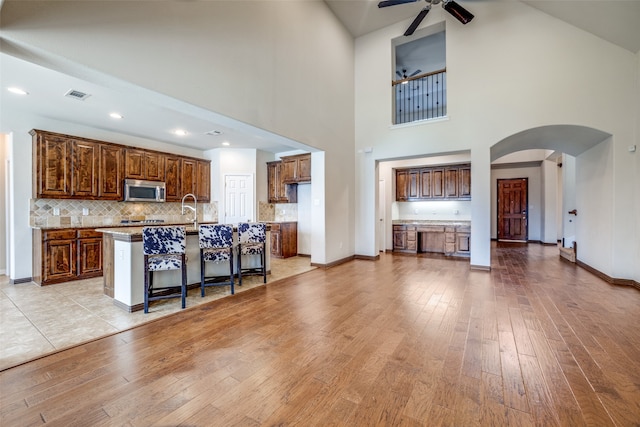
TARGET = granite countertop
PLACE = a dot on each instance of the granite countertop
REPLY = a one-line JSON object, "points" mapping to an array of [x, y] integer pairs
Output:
{"points": [[431, 222], [136, 230]]}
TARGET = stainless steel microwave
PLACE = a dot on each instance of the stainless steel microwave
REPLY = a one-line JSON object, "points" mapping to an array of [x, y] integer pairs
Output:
{"points": [[137, 190]]}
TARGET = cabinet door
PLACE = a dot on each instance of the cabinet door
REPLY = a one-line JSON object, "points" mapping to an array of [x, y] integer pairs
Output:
{"points": [[188, 171], [437, 183], [399, 238], [414, 184], [89, 257], [59, 260], [463, 243], [53, 161], [134, 164], [272, 182], [425, 184], [304, 168], [289, 170], [203, 183], [111, 172], [85, 168], [464, 182], [154, 166], [276, 241], [451, 183], [173, 191], [402, 184]]}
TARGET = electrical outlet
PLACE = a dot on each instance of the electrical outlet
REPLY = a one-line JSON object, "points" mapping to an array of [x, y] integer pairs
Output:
{"points": [[56, 211], [85, 211]]}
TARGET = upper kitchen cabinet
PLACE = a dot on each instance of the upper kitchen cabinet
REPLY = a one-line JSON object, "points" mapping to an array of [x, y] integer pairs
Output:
{"points": [[143, 164], [111, 174], [445, 182], [296, 169], [196, 178], [278, 191], [76, 168], [52, 164], [173, 189]]}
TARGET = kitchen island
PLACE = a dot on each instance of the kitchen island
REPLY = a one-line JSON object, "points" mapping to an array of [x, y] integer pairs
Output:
{"points": [[123, 264], [451, 238]]}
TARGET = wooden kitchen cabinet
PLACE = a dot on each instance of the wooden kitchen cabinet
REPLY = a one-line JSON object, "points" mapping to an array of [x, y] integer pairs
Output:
{"points": [[111, 174], [402, 185], [144, 164], [277, 190], [188, 170], [449, 240], [284, 239], [173, 183], [296, 169], [203, 181], [405, 238], [451, 182], [52, 164], [66, 254], [85, 169]]}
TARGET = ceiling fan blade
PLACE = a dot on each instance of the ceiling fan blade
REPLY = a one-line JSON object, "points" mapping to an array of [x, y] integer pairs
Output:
{"points": [[459, 12], [399, 73], [417, 21], [415, 73], [387, 3]]}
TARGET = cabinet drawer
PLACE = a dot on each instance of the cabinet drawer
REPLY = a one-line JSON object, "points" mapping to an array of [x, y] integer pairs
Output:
{"points": [[88, 233], [450, 237], [59, 234], [431, 229]]}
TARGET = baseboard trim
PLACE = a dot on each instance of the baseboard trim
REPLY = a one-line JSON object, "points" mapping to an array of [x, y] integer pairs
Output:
{"points": [[480, 267], [23, 280], [611, 280], [334, 263], [128, 308], [368, 257], [304, 255]]}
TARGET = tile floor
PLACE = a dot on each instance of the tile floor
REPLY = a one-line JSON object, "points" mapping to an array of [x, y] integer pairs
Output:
{"points": [[35, 320]]}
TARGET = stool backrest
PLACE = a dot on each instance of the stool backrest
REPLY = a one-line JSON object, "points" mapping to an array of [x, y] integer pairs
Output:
{"points": [[215, 236], [255, 232], [164, 240]]}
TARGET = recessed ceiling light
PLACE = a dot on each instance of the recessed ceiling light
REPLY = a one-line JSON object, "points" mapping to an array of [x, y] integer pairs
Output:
{"points": [[226, 144], [180, 132], [116, 116], [17, 91]]}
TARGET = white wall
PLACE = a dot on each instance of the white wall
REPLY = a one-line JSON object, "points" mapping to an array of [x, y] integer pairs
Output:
{"points": [[547, 78], [3, 205], [286, 67]]}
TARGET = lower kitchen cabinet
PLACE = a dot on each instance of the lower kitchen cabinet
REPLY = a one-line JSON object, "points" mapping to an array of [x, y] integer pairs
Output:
{"points": [[66, 254], [284, 239]]}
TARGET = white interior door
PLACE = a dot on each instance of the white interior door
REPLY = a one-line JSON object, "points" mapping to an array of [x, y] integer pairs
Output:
{"points": [[238, 199]]}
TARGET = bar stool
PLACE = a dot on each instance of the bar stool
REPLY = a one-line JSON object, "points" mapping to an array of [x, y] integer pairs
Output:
{"points": [[252, 240], [164, 249], [216, 245]]}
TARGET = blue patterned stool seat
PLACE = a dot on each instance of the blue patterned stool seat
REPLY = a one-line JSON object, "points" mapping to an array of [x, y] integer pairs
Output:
{"points": [[164, 249], [164, 262], [216, 245], [252, 240]]}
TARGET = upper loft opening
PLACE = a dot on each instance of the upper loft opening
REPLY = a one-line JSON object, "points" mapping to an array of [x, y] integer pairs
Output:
{"points": [[419, 76]]}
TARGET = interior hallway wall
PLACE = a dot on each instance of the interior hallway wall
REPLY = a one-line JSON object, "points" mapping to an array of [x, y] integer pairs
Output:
{"points": [[3, 204]]}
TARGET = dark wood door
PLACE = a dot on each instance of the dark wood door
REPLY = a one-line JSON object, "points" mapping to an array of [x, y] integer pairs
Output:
{"points": [[203, 192], [89, 257], [402, 185], [53, 161], [59, 259], [154, 166], [134, 164], [414, 184], [189, 170], [512, 209]]}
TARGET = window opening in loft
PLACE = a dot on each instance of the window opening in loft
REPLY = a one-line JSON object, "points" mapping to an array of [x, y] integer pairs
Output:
{"points": [[420, 79]]}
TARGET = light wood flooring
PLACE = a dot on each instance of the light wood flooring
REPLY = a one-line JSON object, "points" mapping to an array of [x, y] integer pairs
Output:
{"points": [[405, 340]]}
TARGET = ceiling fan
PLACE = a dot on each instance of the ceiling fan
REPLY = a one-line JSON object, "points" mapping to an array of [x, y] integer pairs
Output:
{"points": [[403, 75], [459, 12]]}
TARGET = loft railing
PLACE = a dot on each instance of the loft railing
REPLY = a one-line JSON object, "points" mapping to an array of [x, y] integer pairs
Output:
{"points": [[421, 97]]}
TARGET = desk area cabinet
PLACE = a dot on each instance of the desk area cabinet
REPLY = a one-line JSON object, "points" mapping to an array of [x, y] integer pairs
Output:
{"points": [[446, 182], [284, 239], [451, 239]]}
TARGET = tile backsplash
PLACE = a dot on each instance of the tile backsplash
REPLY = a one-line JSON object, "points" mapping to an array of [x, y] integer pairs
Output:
{"points": [[98, 213], [277, 211]]}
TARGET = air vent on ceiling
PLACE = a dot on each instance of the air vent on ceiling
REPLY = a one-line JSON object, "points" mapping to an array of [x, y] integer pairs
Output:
{"points": [[76, 94], [213, 132]]}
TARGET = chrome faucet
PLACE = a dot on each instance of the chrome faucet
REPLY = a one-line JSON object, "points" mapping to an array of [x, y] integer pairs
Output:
{"points": [[193, 208]]}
